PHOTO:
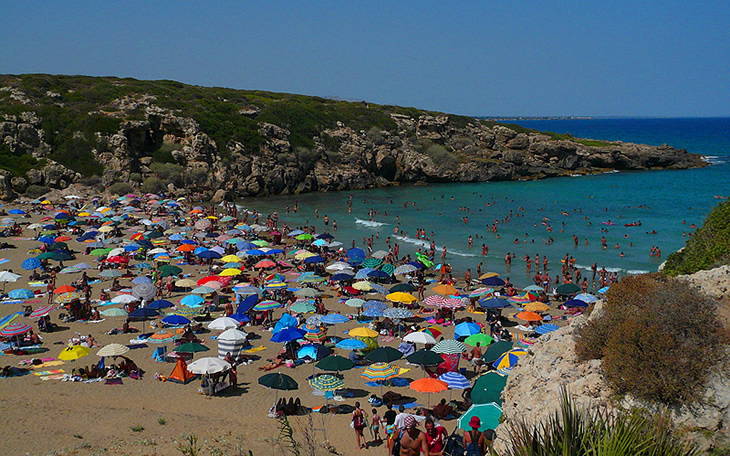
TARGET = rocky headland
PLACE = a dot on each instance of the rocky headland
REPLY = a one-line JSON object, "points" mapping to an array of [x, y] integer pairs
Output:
{"points": [[167, 136]]}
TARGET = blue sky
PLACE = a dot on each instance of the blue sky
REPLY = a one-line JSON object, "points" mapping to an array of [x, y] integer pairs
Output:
{"points": [[600, 58]]}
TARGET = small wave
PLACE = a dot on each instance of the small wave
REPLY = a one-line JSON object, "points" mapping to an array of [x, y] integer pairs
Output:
{"points": [[713, 159], [627, 271], [370, 223], [427, 245]]}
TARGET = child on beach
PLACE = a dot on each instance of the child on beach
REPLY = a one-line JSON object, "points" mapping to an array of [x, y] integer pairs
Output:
{"points": [[375, 426]]}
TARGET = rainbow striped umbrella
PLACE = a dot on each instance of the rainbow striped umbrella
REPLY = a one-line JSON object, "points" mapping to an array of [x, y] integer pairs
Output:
{"points": [[267, 305], [15, 329], [186, 311], [381, 371]]}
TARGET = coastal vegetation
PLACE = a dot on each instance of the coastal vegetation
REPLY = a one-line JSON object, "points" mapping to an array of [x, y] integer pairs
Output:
{"points": [[708, 247], [657, 338], [574, 431]]}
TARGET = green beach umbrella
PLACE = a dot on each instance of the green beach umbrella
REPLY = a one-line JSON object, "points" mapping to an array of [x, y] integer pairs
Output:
{"points": [[191, 347], [335, 363], [424, 358], [481, 338], [488, 414], [488, 388], [494, 351]]}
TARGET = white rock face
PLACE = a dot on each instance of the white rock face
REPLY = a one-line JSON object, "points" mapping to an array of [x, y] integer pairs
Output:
{"points": [[532, 393]]}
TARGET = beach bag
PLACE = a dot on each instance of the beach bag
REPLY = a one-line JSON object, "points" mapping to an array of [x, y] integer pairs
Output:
{"points": [[454, 444]]}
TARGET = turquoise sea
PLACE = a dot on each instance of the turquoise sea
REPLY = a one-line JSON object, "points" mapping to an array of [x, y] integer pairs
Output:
{"points": [[667, 202]]}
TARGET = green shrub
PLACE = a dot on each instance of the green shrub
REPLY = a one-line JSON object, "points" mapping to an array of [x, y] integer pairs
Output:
{"points": [[574, 431], [137, 428], [36, 191], [152, 185], [120, 188], [169, 172], [92, 181], [657, 337], [440, 156], [708, 247]]}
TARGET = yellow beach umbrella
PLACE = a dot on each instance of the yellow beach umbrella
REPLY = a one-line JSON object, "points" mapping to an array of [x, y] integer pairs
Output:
{"points": [[74, 352], [400, 296], [230, 272], [106, 229], [361, 331], [363, 286], [487, 275], [536, 306], [445, 290], [231, 259], [303, 255]]}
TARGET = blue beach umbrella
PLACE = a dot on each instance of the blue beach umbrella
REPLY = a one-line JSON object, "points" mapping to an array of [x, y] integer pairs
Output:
{"points": [[192, 301], [546, 328], [288, 335], [21, 293], [466, 329], [160, 304], [494, 303], [30, 264], [351, 344], [175, 320]]}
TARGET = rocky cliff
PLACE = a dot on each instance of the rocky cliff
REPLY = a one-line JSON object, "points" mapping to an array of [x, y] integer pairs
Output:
{"points": [[254, 143], [533, 389]]}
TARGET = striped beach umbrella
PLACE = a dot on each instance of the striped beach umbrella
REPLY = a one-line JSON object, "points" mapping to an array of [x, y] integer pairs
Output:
{"points": [[381, 371], [163, 337], [15, 329], [303, 307], [145, 291], [113, 350], [455, 380], [479, 292], [186, 311], [267, 305], [434, 301], [449, 347], [326, 382], [41, 311], [314, 333], [507, 361]]}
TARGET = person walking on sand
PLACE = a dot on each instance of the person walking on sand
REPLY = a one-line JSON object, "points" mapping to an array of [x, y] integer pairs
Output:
{"points": [[358, 424]]}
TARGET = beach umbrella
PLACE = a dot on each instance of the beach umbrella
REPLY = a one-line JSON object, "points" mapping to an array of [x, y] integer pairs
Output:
{"points": [[536, 306], [335, 363], [488, 388], [479, 292], [405, 269], [191, 347], [507, 361], [536, 288], [204, 290], [546, 328], [496, 350], [267, 305], [351, 344], [30, 264], [445, 290], [466, 329], [575, 303], [66, 298], [494, 303], [488, 414], [419, 337], [381, 371], [307, 293], [288, 335], [113, 350], [141, 280], [41, 311], [160, 304], [7, 276], [146, 291], [354, 302], [424, 358], [434, 301], [363, 286], [326, 382], [397, 313], [21, 293], [455, 380], [384, 355], [169, 270], [428, 385], [402, 287], [312, 351], [222, 323], [143, 312], [334, 319], [185, 283], [479, 338], [405, 298], [528, 316], [567, 289], [114, 313], [192, 301], [303, 307], [15, 329], [175, 320], [208, 365], [74, 352], [110, 273], [186, 311], [373, 313], [278, 381], [492, 282], [362, 331], [449, 347]]}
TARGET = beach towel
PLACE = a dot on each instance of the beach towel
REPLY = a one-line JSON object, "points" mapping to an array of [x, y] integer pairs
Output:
{"points": [[386, 339], [53, 377], [254, 349], [30, 361], [412, 405], [47, 364], [49, 372], [4, 260]]}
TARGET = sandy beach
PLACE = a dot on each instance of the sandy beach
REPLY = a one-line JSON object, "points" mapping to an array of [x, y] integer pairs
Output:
{"points": [[150, 417]]}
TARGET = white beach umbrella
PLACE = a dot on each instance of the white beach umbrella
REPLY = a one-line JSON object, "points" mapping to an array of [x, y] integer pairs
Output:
{"points": [[419, 337], [223, 323], [208, 365]]}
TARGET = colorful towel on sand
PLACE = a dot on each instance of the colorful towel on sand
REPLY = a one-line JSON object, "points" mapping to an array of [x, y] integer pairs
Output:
{"points": [[53, 377], [47, 364], [253, 349], [49, 372], [36, 284], [386, 339], [3, 260], [412, 405]]}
